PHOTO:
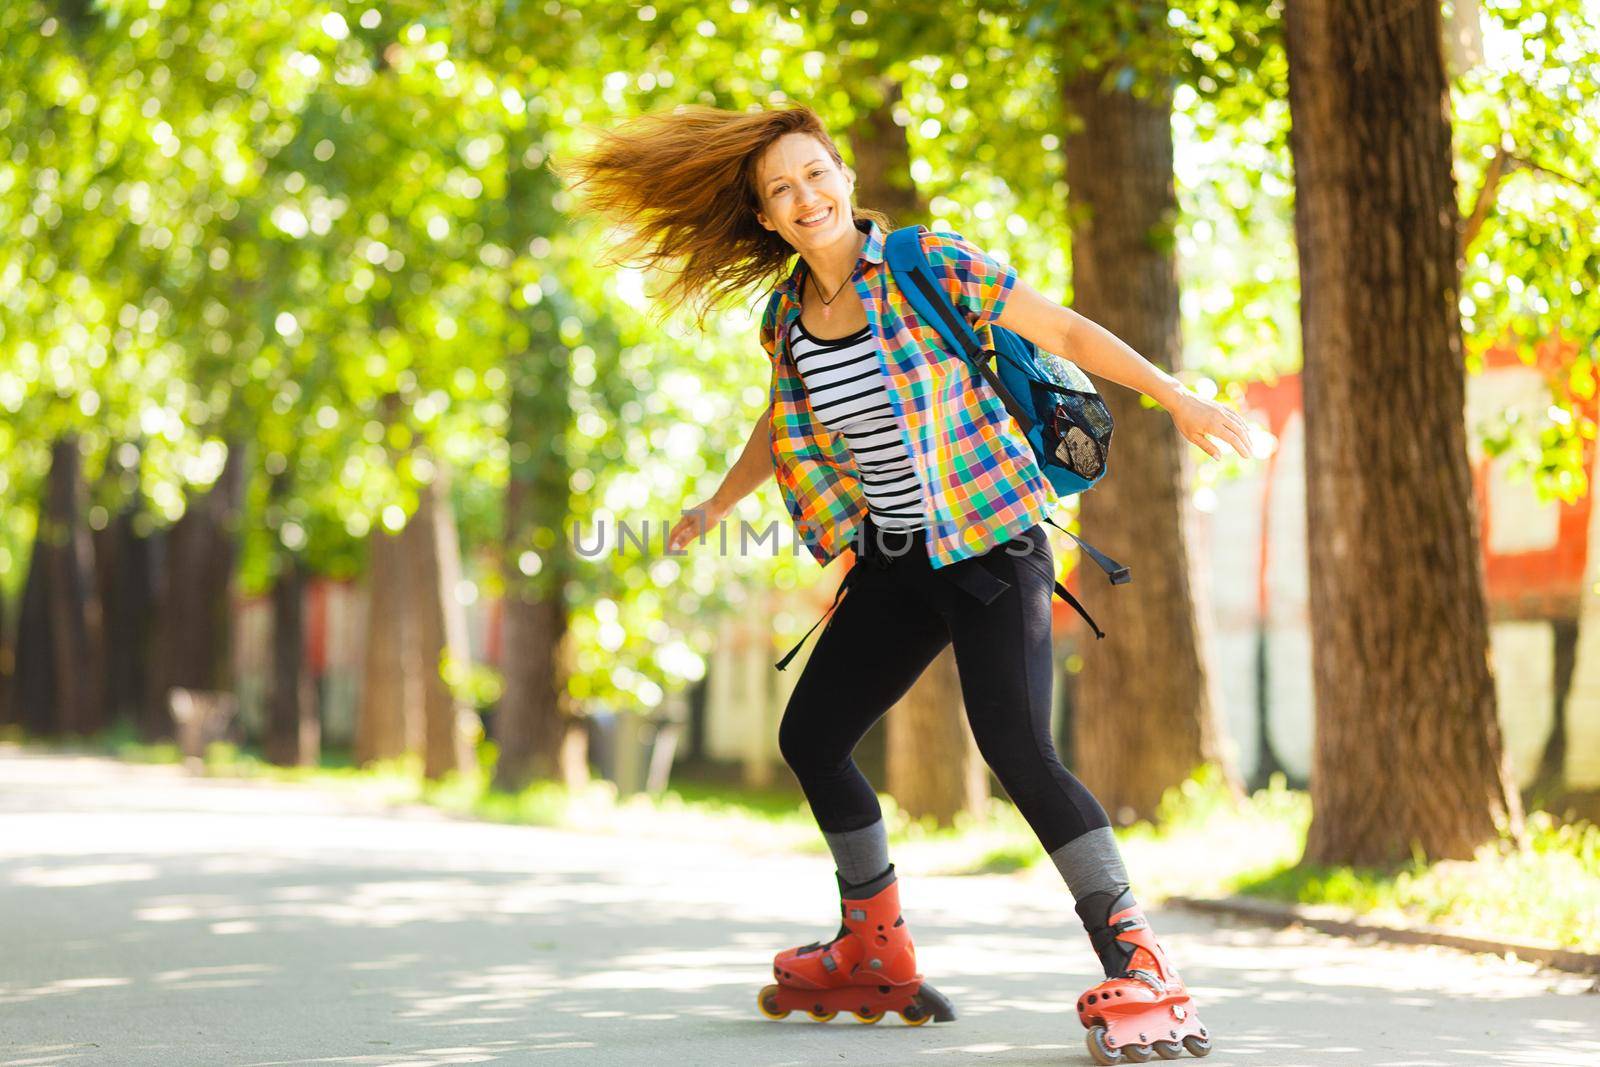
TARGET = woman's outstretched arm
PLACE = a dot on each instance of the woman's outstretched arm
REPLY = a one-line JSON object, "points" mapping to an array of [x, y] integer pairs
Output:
{"points": [[1100, 352], [748, 473], [753, 467]]}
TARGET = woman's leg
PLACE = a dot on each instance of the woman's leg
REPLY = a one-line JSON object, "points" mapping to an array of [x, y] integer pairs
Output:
{"points": [[879, 640], [1004, 656], [1003, 652]]}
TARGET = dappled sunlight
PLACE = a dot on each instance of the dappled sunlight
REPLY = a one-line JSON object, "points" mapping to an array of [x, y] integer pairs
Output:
{"points": [[485, 1052], [680, 979], [36, 1055], [634, 957], [1014, 1053], [62, 987], [83, 874], [712, 958], [177, 909], [508, 991], [228, 976], [398, 961], [401, 941]]}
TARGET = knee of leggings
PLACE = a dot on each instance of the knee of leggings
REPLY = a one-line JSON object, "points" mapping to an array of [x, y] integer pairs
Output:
{"points": [[808, 751], [1024, 776], [796, 744]]}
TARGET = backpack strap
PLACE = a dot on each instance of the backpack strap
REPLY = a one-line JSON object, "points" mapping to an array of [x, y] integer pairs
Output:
{"points": [[909, 266], [913, 274], [1061, 591], [844, 583], [1118, 573]]}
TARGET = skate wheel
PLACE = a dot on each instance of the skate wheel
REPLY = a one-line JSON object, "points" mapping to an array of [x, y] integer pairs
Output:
{"points": [[821, 1016], [767, 1001], [1197, 1046], [1099, 1051], [1168, 1050], [1138, 1053], [913, 1015], [868, 1017]]}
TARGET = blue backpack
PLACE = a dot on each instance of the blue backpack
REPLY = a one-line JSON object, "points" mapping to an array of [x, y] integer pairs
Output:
{"points": [[1054, 403]]}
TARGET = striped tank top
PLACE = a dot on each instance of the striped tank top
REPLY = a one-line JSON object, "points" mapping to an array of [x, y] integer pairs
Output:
{"points": [[844, 379]]}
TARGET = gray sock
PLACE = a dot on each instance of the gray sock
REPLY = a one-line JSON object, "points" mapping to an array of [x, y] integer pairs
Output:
{"points": [[1091, 863], [861, 855]]}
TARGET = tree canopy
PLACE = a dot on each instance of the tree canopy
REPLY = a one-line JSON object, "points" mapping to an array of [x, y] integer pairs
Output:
{"points": [[324, 233]]}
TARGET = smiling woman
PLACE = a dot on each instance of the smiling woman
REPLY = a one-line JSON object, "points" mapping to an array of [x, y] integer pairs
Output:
{"points": [[883, 440], [686, 188]]}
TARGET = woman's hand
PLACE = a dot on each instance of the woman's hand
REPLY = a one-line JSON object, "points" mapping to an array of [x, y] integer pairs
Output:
{"points": [[695, 522], [1200, 420]]}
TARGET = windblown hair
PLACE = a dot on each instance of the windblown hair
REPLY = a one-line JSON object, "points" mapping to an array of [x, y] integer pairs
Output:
{"points": [[681, 184]]}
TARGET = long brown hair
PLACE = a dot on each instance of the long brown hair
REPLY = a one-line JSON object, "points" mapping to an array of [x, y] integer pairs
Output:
{"points": [[682, 186]]}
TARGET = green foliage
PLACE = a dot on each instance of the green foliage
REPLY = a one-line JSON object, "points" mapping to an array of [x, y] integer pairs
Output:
{"points": [[474, 684], [1534, 100], [324, 234]]}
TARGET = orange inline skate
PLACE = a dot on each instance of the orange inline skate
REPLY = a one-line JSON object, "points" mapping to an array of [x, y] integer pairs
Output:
{"points": [[869, 968], [1142, 1009]]}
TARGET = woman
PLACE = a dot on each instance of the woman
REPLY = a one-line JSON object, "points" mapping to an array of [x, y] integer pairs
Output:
{"points": [[880, 438]]}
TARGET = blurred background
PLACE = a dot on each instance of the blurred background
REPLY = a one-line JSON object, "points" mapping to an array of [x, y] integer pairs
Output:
{"points": [[319, 417]]}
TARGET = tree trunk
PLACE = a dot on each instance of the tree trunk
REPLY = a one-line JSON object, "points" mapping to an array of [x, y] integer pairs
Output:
{"points": [[438, 630], [932, 766], [7, 662], [883, 158], [389, 721], [1408, 751], [293, 735], [935, 768], [1139, 730], [537, 726], [192, 642], [75, 617], [60, 686], [535, 722], [1550, 779], [33, 688], [124, 564]]}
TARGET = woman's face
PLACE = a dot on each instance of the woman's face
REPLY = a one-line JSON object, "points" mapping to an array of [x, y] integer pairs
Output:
{"points": [[805, 195]]}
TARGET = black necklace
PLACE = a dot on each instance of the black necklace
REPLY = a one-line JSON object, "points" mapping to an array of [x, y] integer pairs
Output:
{"points": [[827, 311]]}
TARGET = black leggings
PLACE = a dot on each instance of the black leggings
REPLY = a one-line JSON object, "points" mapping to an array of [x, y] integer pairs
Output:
{"points": [[897, 615]]}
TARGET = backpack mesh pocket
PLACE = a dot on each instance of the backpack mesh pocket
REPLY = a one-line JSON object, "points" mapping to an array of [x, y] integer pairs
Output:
{"points": [[1080, 430]]}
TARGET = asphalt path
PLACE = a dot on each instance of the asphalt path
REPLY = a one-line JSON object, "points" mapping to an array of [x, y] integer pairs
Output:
{"points": [[148, 916]]}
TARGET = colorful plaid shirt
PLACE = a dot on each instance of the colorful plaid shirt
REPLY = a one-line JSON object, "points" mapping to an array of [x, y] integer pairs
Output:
{"points": [[977, 471]]}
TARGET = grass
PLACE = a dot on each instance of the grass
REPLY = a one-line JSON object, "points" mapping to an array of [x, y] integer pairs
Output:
{"points": [[1546, 892], [1203, 844], [1203, 841]]}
